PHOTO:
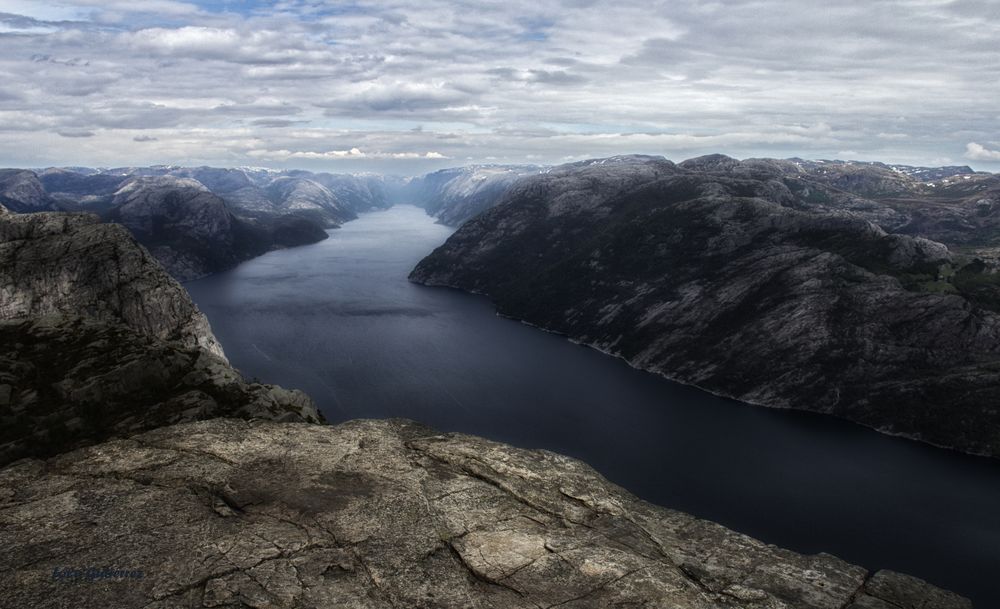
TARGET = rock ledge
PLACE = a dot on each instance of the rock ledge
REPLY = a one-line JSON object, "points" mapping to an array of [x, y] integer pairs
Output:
{"points": [[381, 514]]}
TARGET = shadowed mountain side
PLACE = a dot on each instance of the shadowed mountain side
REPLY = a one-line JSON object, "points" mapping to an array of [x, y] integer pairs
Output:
{"points": [[69, 381], [731, 282], [100, 341]]}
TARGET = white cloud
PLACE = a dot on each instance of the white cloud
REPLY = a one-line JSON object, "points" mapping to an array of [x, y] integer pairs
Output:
{"points": [[978, 152], [899, 80], [353, 153]]}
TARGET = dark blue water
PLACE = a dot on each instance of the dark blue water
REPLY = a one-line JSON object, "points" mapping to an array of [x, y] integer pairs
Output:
{"points": [[339, 320]]}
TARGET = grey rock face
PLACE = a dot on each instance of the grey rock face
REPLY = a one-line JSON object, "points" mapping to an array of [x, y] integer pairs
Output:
{"points": [[382, 514], [99, 341], [71, 381], [70, 264], [183, 224], [723, 275], [21, 191], [193, 233]]}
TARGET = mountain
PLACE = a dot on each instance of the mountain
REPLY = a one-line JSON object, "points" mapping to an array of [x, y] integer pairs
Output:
{"points": [[455, 195], [307, 197], [333, 198], [379, 514], [21, 191], [749, 279], [954, 205], [71, 264], [357, 193], [100, 342], [193, 232], [190, 229], [176, 211], [88, 190]]}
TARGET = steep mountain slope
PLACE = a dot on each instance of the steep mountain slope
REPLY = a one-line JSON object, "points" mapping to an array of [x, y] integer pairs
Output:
{"points": [[70, 264], [192, 231], [100, 341], [719, 274], [379, 514], [69, 381]]}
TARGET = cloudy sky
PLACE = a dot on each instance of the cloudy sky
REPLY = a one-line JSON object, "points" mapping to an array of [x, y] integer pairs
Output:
{"points": [[413, 85]]}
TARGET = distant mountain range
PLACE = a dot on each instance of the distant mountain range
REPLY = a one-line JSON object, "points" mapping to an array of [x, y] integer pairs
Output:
{"points": [[200, 220]]}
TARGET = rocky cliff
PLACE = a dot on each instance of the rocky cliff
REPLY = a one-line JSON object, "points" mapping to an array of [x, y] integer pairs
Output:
{"points": [[99, 342], [103, 346], [304, 196], [730, 276], [382, 514], [71, 264], [69, 381]]}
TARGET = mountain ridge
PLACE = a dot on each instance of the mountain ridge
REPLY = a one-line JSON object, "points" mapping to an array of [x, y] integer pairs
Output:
{"points": [[716, 273]]}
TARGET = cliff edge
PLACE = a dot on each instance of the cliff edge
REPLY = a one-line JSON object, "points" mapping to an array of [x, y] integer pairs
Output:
{"points": [[383, 514]]}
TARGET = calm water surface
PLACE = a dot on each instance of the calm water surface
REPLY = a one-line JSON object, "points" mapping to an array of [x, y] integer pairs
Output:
{"points": [[339, 320]]}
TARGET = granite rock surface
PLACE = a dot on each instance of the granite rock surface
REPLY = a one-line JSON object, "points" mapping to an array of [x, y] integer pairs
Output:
{"points": [[382, 514]]}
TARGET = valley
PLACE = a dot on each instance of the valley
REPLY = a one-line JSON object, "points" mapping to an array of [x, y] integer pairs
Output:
{"points": [[339, 320]]}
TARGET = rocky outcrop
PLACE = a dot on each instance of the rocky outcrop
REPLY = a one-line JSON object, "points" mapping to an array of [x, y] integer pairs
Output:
{"points": [[99, 342], [70, 264], [382, 514], [69, 381], [719, 274]]}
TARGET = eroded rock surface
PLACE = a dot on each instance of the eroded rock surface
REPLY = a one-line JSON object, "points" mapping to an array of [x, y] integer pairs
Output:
{"points": [[383, 514], [70, 264], [98, 341], [66, 382]]}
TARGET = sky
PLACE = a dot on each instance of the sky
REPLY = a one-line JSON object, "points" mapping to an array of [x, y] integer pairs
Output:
{"points": [[408, 86]]}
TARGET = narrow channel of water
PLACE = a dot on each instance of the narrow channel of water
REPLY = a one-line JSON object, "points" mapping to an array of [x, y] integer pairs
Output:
{"points": [[339, 320]]}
